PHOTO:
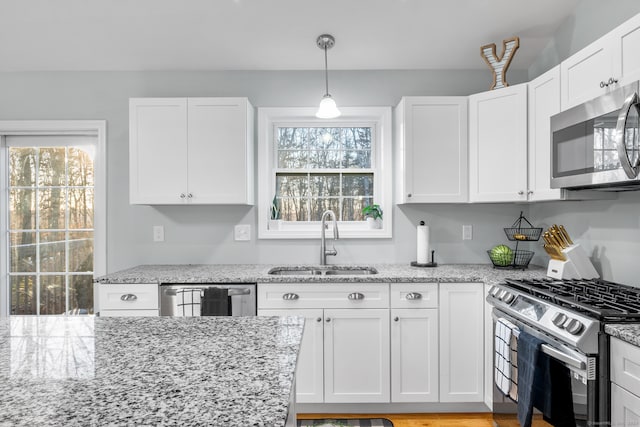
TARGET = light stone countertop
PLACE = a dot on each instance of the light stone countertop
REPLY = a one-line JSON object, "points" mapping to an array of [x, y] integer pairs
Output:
{"points": [[148, 371], [258, 273], [629, 332]]}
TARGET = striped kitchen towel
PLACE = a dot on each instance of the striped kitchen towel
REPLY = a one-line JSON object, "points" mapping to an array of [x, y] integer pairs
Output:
{"points": [[505, 360]]}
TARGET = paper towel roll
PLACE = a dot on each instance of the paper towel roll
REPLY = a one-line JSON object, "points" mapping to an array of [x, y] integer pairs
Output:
{"points": [[423, 244]]}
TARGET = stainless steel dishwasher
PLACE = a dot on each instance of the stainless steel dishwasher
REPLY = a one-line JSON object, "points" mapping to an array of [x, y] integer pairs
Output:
{"points": [[191, 299]]}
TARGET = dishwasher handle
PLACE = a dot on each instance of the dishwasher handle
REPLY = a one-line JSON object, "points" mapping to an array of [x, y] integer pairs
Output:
{"points": [[230, 291]]}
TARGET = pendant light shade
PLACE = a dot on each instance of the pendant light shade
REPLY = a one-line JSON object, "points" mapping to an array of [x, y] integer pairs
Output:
{"points": [[328, 108]]}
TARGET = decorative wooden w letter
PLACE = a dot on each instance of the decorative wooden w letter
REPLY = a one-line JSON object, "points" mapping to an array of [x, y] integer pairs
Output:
{"points": [[500, 64]]}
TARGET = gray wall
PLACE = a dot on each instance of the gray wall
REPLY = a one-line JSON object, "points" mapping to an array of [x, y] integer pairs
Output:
{"points": [[608, 230], [203, 234], [591, 20]]}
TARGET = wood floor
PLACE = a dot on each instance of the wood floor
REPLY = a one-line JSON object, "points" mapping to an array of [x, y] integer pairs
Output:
{"points": [[438, 420]]}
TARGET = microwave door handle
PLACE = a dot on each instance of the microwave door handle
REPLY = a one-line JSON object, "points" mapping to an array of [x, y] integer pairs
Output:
{"points": [[629, 169]]}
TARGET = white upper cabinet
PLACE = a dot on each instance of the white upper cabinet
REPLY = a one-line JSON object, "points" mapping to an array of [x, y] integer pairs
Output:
{"points": [[190, 151], [544, 102], [431, 144], [605, 64], [498, 145]]}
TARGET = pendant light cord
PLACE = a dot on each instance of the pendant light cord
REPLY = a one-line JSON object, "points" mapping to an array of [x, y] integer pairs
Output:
{"points": [[326, 72]]}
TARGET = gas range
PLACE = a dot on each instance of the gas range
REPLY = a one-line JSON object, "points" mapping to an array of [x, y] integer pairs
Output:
{"points": [[573, 311]]}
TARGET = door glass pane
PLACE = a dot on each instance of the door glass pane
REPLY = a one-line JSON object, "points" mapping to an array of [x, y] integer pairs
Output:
{"points": [[81, 251], [52, 252], [22, 252], [51, 170], [80, 208], [22, 167], [23, 294], [22, 209], [52, 204], [52, 294], [81, 294]]}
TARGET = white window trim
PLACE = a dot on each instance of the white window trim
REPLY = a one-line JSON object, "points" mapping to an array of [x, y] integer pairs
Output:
{"points": [[383, 185], [57, 127]]}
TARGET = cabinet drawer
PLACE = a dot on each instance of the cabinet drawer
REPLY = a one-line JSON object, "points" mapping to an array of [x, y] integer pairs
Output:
{"points": [[128, 297], [414, 295], [329, 295], [625, 365]]}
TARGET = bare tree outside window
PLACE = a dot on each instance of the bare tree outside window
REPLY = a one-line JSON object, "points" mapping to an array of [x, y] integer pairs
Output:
{"points": [[51, 192], [320, 168]]}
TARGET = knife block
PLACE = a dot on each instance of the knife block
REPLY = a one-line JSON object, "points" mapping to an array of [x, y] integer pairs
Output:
{"points": [[577, 266]]}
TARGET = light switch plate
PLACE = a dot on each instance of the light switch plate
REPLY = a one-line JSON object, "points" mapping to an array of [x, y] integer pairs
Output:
{"points": [[467, 232], [242, 232], [158, 233]]}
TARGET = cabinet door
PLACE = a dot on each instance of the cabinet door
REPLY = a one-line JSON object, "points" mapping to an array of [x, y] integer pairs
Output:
{"points": [[414, 355], [625, 407], [220, 154], [309, 370], [583, 72], [356, 355], [432, 149], [544, 102], [157, 150], [626, 41], [498, 145], [461, 342]]}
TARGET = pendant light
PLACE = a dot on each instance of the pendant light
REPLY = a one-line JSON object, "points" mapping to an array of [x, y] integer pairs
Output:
{"points": [[328, 108]]}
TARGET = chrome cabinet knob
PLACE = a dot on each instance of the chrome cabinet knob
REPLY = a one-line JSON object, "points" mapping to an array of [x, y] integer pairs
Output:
{"points": [[530, 192], [602, 85], [328, 319], [290, 297], [182, 195], [129, 297], [356, 296], [520, 193], [395, 319], [612, 81], [413, 296], [189, 196], [319, 319], [409, 195]]}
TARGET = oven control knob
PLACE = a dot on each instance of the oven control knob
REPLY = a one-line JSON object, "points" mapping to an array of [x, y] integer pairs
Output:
{"points": [[502, 294], [495, 291], [508, 297], [559, 319], [574, 326]]}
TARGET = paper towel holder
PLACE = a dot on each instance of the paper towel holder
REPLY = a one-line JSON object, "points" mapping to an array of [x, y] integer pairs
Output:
{"points": [[427, 264]]}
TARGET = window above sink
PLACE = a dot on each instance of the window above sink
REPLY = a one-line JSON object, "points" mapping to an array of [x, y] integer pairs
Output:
{"points": [[307, 165]]}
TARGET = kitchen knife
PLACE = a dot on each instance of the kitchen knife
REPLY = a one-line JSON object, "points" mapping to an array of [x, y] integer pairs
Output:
{"points": [[566, 235]]}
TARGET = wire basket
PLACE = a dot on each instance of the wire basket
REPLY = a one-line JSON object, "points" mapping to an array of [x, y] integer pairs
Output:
{"points": [[514, 259], [519, 233]]}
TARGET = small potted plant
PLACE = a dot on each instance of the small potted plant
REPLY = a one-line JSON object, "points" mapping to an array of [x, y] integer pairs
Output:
{"points": [[274, 215], [373, 215]]}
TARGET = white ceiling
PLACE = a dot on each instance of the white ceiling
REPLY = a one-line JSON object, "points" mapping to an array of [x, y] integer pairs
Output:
{"points": [[42, 35]]}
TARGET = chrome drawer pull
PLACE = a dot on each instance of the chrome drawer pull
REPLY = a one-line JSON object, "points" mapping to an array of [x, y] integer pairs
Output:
{"points": [[290, 297], [356, 296], [413, 296], [128, 297]]}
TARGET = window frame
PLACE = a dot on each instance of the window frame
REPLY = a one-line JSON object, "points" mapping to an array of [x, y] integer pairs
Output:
{"points": [[379, 118], [56, 128]]}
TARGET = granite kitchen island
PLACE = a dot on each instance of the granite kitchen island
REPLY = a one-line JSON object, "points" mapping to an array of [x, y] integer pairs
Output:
{"points": [[92, 371]]}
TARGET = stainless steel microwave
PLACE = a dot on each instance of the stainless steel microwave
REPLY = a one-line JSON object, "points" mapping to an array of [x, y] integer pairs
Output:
{"points": [[597, 144]]}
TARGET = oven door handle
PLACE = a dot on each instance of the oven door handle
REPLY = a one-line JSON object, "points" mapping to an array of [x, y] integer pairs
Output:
{"points": [[563, 357]]}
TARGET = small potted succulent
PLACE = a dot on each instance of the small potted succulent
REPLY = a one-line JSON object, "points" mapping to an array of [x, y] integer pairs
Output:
{"points": [[274, 215], [373, 215]]}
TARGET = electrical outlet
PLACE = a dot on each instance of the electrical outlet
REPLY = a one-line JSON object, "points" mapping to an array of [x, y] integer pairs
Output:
{"points": [[242, 232], [158, 233], [467, 232]]}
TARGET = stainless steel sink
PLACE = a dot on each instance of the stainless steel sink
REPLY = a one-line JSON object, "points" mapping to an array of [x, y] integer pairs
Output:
{"points": [[317, 271]]}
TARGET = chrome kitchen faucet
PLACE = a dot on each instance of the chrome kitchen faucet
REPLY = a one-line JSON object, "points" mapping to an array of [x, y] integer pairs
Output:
{"points": [[323, 245]]}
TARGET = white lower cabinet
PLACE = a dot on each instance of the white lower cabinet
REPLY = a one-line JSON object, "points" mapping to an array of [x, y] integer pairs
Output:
{"points": [[140, 299], [414, 355], [625, 384], [461, 342], [356, 355]]}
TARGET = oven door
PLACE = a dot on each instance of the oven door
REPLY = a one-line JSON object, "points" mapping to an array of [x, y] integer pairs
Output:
{"points": [[582, 368], [185, 300], [597, 144]]}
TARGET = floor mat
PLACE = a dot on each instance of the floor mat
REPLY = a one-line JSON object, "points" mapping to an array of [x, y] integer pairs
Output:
{"points": [[354, 422]]}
